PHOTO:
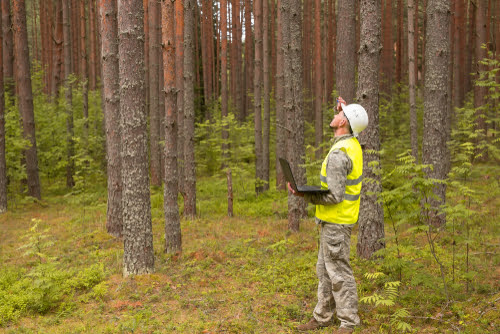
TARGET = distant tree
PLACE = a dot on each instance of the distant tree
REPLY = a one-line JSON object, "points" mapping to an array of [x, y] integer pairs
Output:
{"points": [[25, 95], [179, 83], [459, 53], [292, 42], [138, 255], [412, 79], [8, 47], [346, 49], [249, 57], [266, 67], [93, 62], [387, 48], [236, 59], [173, 238], [280, 116], [111, 99], [154, 114], [479, 54], [83, 64], [399, 42], [57, 54], [223, 74], [371, 217], [318, 110], [68, 95], [435, 151], [330, 67], [189, 158], [3, 163]]}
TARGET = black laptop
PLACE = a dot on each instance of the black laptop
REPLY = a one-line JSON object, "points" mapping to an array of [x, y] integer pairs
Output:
{"points": [[285, 166]]}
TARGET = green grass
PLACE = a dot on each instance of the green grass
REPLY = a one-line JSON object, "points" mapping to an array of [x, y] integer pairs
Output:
{"points": [[246, 274]]}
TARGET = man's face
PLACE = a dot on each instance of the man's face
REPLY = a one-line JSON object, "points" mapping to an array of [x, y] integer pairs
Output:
{"points": [[338, 120]]}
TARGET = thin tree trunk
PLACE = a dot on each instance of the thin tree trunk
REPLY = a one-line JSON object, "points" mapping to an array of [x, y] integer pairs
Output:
{"points": [[346, 49], [93, 46], [161, 95], [68, 95], [173, 236], [266, 126], [3, 160], [471, 41], [8, 48], [189, 159], [25, 97], [318, 111], [399, 42], [387, 49], [412, 80], [154, 117], [179, 83], [436, 100], [224, 88], [74, 14], [249, 57], [138, 254], [236, 61], [330, 67], [204, 57], [257, 94], [272, 32], [111, 99], [280, 116], [480, 53], [58, 49], [459, 54], [83, 66]]}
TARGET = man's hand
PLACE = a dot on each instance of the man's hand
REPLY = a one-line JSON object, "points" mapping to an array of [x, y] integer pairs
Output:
{"points": [[340, 101], [293, 191]]}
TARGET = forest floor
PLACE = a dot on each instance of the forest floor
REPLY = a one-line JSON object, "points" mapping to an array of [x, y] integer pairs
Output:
{"points": [[246, 274]]}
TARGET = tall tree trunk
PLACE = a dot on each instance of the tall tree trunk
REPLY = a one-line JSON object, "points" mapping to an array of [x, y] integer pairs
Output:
{"points": [[346, 49], [292, 42], [412, 52], [330, 67], [387, 49], [280, 116], [68, 95], [371, 217], [266, 126], [249, 57], [25, 97], [272, 34], [307, 46], [44, 39], [223, 75], [204, 55], [173, 237], [480, 53], [74, 13], [179, 83], [399, 42], [236, 61], [257, 91], [471, 44], [57, 67], [138, 254], [83, 65], [318, 112], [111, 97], [8, 48], [93, 46], [436, 100], [459, 53], [189, 160], [154, 117], [3, 160]]}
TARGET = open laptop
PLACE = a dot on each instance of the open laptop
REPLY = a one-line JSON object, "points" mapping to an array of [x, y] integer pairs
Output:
{"points": [[285, 166]]}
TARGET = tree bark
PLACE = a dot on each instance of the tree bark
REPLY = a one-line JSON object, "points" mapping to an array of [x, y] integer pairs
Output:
{"points": [[57, 62], [330, 74], [179, 83], [189, 158], [292, 53], [458, 53], [436, 100], [111, 97], [138, 255], [249, 57], [154, 116], [412, 52], [223, 85], [480, 53], [236, 61], [68, 95], [280, 116], [346, 49], [266, 126], [92, 45], [25, 95], [257, 91], [371, 217], [84, 66], [3, 160], [318, 112], [399, 42], [173, 237], [8, 48]]}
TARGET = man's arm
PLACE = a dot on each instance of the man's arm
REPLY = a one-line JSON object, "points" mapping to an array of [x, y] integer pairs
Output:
{"points": [[339, 165]]}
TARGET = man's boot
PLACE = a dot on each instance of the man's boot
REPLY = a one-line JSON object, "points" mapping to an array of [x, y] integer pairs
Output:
{"points": [[311, 325], [343, 330]]}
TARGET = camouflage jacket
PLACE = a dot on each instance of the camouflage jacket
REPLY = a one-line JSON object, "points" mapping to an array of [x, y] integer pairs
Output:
{"points": [[339, 165]]}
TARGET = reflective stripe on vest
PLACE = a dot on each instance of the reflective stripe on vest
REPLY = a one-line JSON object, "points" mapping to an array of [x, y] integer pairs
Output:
{"points": [[347, 211]]}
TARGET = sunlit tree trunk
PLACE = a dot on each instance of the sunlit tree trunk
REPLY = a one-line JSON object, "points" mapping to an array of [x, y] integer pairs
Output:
{"points": [[371, 216], [436, 106], [189, 159], [346, 49], [25, 95], [173, 238], [111, 97]]}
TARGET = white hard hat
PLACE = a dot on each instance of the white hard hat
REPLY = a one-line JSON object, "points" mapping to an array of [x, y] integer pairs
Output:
{"points": [[357, 116]]}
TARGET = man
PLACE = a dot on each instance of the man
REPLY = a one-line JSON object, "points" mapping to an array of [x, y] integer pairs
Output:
{"points": [[336, 212]]}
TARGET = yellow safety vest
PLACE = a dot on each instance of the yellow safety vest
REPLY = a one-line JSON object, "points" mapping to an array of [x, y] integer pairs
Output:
{"points": [[347, 211]]}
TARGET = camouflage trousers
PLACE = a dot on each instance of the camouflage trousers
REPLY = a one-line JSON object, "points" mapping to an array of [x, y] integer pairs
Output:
{"points": [[336, 287]]}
